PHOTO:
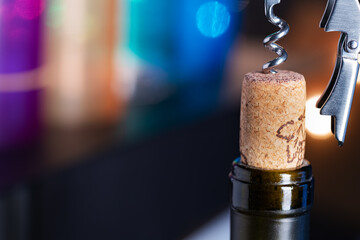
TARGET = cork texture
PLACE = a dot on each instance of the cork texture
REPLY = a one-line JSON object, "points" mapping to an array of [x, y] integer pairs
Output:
{"points": [[272, 120]]}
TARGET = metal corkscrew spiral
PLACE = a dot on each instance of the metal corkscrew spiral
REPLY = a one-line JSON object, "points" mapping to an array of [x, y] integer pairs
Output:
{"points": [[269, 41]]}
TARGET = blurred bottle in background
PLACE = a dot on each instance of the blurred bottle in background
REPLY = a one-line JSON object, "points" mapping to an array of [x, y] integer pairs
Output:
{"points": [[80, 48], [21, 24], [171, 58]]}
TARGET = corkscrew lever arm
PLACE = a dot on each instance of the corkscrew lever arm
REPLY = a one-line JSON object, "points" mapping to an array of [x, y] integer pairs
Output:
{"points": [[342, 16]]}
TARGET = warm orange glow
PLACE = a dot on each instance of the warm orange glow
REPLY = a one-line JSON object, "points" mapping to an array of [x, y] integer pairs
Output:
{"points": [[358, 79], [317, 125]]}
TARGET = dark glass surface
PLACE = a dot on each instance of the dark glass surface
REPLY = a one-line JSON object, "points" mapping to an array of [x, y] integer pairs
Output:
{"points": [[271, 204], [276, 191], [254, 227]]}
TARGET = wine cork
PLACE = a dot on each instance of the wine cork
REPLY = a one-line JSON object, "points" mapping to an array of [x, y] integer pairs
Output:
{"points": [[272, 120]]}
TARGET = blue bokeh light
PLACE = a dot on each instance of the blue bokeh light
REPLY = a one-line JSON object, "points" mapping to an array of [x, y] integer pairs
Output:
{"points": [[212, 19]]}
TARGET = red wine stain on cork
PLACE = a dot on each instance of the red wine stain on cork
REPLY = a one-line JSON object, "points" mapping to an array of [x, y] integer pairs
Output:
{"points": [[287, 138], [298, 144], [243, 158]]}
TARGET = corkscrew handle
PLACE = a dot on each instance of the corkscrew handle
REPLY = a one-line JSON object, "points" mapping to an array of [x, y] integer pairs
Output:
{"points": [[342, 16]]}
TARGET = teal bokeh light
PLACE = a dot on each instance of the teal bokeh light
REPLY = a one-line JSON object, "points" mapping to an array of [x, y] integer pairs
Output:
{"points": [[212, 19]]}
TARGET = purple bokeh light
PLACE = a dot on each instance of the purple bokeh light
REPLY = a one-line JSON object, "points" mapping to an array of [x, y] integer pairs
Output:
{"points": [[20, 34]]}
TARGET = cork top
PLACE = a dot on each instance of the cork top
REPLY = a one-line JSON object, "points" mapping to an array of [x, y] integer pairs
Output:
{"points": [[282, 76]]}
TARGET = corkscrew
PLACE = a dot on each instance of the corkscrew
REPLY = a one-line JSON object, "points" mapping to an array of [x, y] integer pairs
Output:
{"points": [[342, 16], [270, 41]]}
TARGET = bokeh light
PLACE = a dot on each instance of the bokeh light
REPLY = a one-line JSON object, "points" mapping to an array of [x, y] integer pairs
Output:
{"points": [[29, 9], [212, 19], [358, 79], [317, 125]]}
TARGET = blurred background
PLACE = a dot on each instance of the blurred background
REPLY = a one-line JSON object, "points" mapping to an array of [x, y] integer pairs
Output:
{"points": [[119, 118]]}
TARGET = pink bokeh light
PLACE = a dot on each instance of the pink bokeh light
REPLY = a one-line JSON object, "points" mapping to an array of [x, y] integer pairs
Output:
{"points": [[29, 9]]}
